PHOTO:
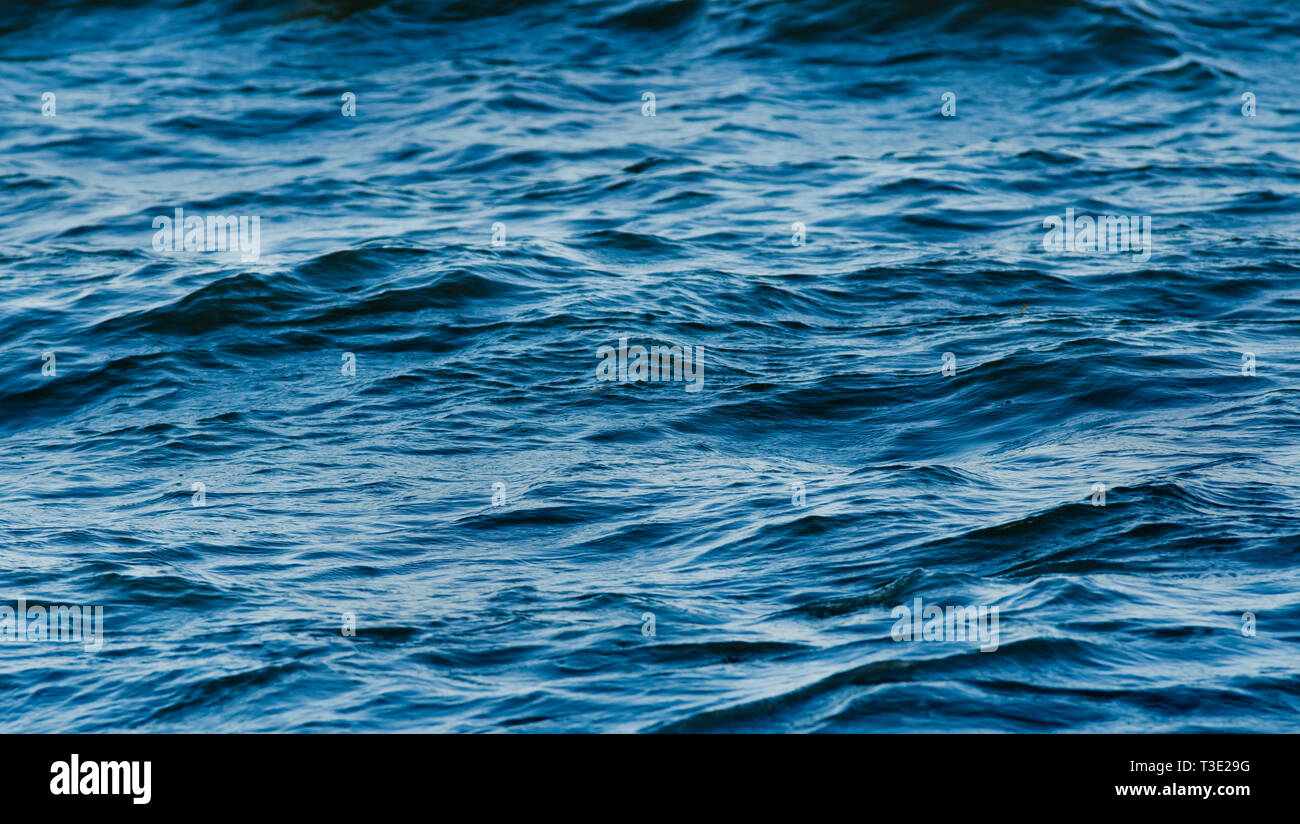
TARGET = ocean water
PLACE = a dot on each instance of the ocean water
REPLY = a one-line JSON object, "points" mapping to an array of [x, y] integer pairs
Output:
{"points": [[367, 474]]}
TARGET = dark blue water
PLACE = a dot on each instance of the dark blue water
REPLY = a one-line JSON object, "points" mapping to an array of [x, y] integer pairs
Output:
{"points": [[656, 558]]}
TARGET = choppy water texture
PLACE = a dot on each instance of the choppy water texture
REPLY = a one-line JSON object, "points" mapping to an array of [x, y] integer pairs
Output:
{"points": [[476, 364]]}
